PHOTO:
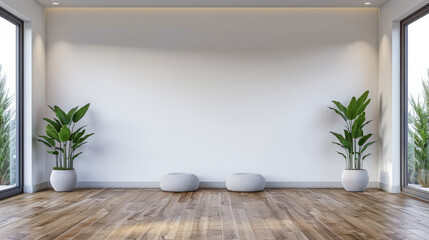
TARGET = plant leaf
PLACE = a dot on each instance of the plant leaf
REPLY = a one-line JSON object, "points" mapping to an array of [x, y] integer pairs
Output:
{"points": [[85, 137], [50, 140], [363, 158], [342, 154], [362, 108], [53, 110], [357, 126], [363, 139], [78, 136], [366, 146], [53, 152], [54, 124], [362, 98], [80, 113], [73, 135], [339, 144], [352, 109], [44, 142], [64, 134], [339, 113], [342, 140], [75, 156], [78, 145], [340, 107], [72, 112], [52, 132], [366, 123], [62, 116]]}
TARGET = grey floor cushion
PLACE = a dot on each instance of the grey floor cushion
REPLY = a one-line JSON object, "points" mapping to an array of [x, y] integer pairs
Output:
{"points": [[245, 182], [179, 182]]}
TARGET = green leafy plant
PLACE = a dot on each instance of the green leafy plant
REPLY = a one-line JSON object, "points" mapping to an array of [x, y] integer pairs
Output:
{"points": [[418, 137], [6, 135], [61, 138], [354, 142]]}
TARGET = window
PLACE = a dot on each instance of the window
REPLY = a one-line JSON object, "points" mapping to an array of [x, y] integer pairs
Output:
{"points": [[415, 103], [11, 104]]}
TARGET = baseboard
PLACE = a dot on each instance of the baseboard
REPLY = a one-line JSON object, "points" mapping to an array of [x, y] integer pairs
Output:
{"points": [[117, 185], [212, 185], [311, 185], [204, 184], [388, 188], [36, 187], [41, 186], [140, 185]]}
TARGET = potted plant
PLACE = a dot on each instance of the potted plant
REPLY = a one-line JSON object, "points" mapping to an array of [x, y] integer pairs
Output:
{"points": [[354, 142], [63, 142]]}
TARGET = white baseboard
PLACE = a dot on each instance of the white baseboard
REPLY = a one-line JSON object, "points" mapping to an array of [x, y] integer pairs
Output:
{"points": [[215, 185], [389, 188], [41, 186], [311, 185], [36, 187], [212, 185], [117, 185], [140, 185]]}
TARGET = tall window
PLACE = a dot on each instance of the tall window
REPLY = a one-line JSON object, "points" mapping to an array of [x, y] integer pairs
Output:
{"points": [[415, 103], [11, 104]]}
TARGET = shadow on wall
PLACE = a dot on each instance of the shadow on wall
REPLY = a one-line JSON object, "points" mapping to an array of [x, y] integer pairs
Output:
{"points": [[384, 177], [209, 31], [383, 148]]}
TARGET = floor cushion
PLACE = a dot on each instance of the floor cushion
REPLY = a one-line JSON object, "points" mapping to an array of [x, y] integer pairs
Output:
{"points": [[245, 182], [179, 182]]}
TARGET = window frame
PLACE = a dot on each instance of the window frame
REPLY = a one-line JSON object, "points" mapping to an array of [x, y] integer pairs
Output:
{"points": [[404, 102], [20, 103]]}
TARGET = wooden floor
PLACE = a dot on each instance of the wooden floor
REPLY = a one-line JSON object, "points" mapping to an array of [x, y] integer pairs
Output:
{"points": [[213, 214]]}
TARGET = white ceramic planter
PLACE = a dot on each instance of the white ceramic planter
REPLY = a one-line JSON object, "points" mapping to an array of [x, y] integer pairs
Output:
{"points": [[355, 180], [63, 180]]}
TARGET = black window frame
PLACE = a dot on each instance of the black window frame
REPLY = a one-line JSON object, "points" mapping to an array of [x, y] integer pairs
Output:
{"points": [[20, 103], [404, 102]]}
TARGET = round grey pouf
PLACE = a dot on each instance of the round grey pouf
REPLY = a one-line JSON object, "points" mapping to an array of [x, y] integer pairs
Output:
{"points": [[179, 182], [245, 182]]}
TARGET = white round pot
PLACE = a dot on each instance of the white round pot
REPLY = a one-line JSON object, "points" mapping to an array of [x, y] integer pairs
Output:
{"points": [[63, 180], [355, 180]]}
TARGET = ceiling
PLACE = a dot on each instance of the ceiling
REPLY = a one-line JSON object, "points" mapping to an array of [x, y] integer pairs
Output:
{"points": [[211, 3]]}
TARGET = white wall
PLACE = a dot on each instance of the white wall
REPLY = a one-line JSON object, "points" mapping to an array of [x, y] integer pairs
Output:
{"points": [[211, 91], [389, 90], [34, 90]]}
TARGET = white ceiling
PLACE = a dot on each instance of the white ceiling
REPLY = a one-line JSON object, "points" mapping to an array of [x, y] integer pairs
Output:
{"points": [[211, 3]]}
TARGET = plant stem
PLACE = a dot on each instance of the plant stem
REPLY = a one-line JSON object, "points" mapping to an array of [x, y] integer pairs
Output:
{"points": [[65, 155]]}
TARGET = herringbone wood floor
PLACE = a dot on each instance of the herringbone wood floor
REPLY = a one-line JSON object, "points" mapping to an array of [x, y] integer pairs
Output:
{"points": [[213, 214]]}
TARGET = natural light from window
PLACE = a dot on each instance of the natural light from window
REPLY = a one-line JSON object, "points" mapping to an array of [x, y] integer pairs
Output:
{"points": [[418, 105], [8, 83]]}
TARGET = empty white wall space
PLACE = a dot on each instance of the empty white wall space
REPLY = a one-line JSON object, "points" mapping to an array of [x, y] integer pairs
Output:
{"points": [[212, 91], [34, 89]]}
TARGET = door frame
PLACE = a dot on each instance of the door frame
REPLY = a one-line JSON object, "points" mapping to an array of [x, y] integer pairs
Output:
{"points": [[20, 103], [404, 103]]}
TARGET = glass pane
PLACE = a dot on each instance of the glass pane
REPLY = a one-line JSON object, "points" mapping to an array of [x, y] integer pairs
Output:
{"points": [[9, 167], [418, 104]]}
